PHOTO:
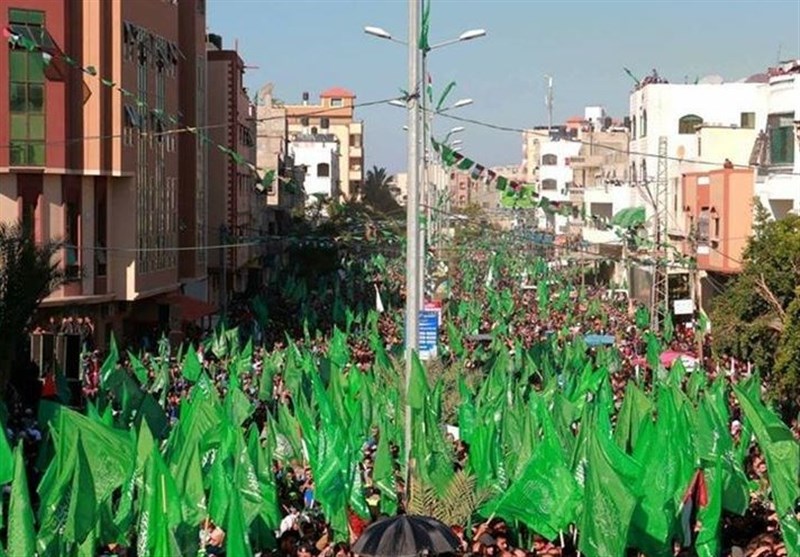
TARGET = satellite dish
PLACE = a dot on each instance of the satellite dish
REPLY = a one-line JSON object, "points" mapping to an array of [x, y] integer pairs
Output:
{"points": [[712, 79]]}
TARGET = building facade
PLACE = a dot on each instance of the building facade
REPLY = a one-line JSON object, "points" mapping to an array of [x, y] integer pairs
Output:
{"points": [[335, 114], [319, 155], [676, 111], [235, 206], [88, 156], [777, 149]]}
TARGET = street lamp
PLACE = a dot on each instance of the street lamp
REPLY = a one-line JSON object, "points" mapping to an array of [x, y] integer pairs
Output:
{"points": [[398, 102], [457, 129], [456, 142], [458, 104]]}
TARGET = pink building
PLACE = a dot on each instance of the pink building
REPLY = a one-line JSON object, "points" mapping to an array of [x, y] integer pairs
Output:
{"points": [[83, 162], [235, 208]]}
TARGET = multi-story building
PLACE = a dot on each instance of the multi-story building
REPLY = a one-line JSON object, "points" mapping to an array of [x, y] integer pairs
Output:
{"points": [[675, 111], [319, 154], [88, 156], [777, 149], [193, 162], [717, 212], [235, 206], [335, 114], [286, 192]]}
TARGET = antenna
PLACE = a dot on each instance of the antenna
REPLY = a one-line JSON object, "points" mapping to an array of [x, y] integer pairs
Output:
{"points": [[548, 100]]}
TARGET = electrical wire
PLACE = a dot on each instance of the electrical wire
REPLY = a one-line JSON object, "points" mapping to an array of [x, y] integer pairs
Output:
{"points": [[513, 129], [187, 129]]}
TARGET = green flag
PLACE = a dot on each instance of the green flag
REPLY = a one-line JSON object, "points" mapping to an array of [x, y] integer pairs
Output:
{"points": [[709, 539], [82, 514], [418, 389], [609, 499], [111, 361], [138, 369], [383, 474], [782, 453], [6, 458], [191, 365], [545, 497], [21, 534]]}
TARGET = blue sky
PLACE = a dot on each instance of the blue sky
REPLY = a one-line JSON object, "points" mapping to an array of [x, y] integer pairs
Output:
{"points": [[310, 45]]}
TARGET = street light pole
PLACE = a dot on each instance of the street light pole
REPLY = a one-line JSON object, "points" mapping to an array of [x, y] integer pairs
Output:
{"points": [[412, 224], [423, 178]]}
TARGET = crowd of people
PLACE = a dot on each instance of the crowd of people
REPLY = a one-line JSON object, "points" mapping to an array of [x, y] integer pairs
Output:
{"points": [[304, 531]]}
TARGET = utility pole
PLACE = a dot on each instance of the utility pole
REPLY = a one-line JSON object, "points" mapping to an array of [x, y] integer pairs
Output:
{"points": [[548, 101], [659, 301], [412, 223], [424, 201], [696, 290]]}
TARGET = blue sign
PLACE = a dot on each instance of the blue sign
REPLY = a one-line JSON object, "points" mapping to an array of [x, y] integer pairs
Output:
{"points": [[428, 334]]}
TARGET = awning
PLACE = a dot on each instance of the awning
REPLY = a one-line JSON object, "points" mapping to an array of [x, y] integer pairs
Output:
{"points": [[191, 309]]}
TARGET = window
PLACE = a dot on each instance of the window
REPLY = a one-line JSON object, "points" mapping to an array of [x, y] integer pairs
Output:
{"points": [[643, 123], [748, 120], [633, 128], [703, 223], [549, 184], [27, 91], [549, 160], [355, 140], [716, 226], [337, 102], [323, 170], [781, 138], [688, 124], [100, 259], [72, 240]]}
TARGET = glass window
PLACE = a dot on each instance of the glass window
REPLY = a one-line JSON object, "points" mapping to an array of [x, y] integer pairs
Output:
{"points": [[549, 184], [18, 60], [18, 97], [781, 138], [26, 103], [549, 160], [748, 120], [26, 17], [688, 123], [336, 102], [323, 170]]}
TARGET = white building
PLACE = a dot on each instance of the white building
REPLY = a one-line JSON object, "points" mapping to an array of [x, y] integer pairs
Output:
{"points": [[319, 154], [777, 151], [555, 177], [675, 111]]}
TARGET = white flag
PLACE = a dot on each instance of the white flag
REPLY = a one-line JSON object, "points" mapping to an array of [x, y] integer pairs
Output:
{"points": [[378, 301]]}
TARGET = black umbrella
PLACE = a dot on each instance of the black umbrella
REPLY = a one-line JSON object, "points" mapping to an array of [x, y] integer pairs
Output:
{"points": [[406, 536]]}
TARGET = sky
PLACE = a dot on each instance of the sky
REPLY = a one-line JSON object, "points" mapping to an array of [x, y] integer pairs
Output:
{"points": [[311, 45]]}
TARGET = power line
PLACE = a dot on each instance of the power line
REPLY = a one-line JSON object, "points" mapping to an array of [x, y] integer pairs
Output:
{"points": [[503, 128]]}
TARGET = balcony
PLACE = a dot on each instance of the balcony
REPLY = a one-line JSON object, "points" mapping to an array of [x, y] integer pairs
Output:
{"points": [[356, 152]]}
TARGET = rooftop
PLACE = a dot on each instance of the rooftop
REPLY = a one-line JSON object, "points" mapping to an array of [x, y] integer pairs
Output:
{"points": [[337, 92]]}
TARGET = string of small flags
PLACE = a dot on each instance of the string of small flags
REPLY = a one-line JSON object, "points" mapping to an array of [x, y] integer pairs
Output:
{"points": [[52, 53], [514, 193]]}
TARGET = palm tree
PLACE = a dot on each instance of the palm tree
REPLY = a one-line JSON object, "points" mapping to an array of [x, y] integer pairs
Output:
{"points": [[378, 192], [28, 273]]}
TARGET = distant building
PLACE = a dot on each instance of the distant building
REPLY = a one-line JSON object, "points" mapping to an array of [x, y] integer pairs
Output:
{"points": [[676, 111], [335, 114], [235, 207], [777, 149], [127, 198], [286, 192], [319, 155]]}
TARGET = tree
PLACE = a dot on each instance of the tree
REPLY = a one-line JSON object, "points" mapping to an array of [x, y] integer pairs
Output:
{"points": [[378, 193], [29, 271], [758, 317]]}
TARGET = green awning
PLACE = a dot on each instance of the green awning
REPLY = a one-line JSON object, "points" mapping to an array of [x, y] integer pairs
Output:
{"points": [[629, 218]]}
